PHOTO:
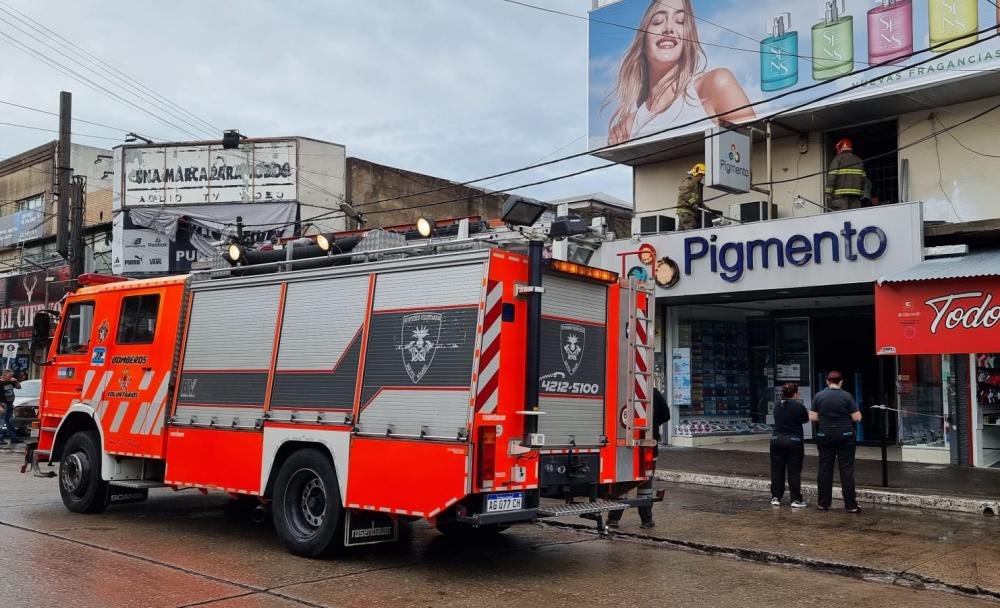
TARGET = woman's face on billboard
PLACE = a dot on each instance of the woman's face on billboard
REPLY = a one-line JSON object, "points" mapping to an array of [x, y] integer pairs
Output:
{"points": [[665, 32]]}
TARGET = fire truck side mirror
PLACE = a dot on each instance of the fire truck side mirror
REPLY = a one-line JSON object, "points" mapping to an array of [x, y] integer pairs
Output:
{"points": [[41, 331]]}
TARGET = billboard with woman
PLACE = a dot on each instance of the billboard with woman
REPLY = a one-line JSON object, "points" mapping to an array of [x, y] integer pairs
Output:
{"points": [[664, 68]]}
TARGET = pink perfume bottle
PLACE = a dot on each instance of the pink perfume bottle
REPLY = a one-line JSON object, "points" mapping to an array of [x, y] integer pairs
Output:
{"points": [[890, 31]]}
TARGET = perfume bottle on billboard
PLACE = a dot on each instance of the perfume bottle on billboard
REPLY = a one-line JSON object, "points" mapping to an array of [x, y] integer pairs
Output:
{"points": [[833, 41], [779, 54], [890, 30], [953, 23]]}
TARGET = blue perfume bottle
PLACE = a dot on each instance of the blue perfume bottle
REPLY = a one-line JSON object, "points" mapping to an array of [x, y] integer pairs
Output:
{"points": [[779, 54]]}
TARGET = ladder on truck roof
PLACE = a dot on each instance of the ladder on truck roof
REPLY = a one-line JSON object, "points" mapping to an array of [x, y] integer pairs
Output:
{"points": [[639, 392]]}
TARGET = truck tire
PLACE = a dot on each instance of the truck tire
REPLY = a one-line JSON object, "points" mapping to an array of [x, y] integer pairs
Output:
{"points": [[80, 483], [308, 515]]}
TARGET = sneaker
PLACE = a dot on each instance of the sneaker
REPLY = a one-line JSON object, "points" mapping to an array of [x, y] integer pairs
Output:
{"points": [[822, 508], [854, 510], [799, 504], [775, 502], [647, 525]]}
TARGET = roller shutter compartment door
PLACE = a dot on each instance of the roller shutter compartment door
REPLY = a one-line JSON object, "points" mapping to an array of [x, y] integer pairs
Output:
{"points": [[228, 353], [420, 350], [572, 361]]}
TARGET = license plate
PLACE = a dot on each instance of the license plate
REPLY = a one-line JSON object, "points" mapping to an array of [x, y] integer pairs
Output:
{"points": [[511, 501]]}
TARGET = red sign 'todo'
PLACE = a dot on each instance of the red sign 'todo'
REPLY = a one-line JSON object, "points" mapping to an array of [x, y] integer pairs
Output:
{"points": [[938, 317]]}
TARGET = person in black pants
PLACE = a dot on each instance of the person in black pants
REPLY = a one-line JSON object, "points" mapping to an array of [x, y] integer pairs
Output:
{"points": [[661, 416], [787, 451], [836, 412]]}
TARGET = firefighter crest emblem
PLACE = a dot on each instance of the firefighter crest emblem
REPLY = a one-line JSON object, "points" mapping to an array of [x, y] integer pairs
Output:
{"points": [[125, 380], [572, 340], [420, 340], [102, 332]]}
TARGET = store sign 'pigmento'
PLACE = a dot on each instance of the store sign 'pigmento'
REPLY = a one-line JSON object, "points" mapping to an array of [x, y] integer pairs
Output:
{"points": [[731, 259]]}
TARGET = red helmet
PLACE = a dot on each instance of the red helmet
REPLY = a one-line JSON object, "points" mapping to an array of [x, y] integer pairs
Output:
{"points": [[843, 144]]}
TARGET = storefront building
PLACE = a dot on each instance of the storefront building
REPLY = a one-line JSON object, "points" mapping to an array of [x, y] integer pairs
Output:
{"points": [[21, 296], [743, 309], [941, 320]]}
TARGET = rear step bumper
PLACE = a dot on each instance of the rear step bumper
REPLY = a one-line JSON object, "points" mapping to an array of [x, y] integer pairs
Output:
{"points": [[502, 517], [583, 509]]}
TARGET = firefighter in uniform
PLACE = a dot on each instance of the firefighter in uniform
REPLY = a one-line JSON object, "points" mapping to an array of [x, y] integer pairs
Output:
{"points": [[845, 181], [689, 198], [661, 416]]}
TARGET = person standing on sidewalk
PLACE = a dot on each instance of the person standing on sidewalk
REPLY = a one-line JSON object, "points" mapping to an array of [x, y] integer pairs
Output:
{"points": [[836, 412], [787, 450], [661, 416], [7, 385]]}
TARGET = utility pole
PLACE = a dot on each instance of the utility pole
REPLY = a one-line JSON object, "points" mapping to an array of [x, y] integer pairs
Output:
{"points": [[77, 246], [64, 173]]}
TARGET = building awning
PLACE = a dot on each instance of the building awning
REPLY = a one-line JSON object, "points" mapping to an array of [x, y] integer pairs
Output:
{"points": [[940, 306], [978, 264]]}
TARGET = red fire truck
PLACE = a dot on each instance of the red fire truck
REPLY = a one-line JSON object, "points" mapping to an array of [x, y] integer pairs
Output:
{"points": [[474, 388]]}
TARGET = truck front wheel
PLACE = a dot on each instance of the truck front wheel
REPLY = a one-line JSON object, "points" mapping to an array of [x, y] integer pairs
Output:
{"points": [[307, 512], [80, 483]]}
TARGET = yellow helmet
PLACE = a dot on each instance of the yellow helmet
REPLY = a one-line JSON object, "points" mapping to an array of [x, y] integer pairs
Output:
{"points": [[697, 169]]}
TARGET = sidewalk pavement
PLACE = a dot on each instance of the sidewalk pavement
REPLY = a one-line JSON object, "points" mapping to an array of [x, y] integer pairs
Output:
{"points": [[954, 552], [945, 487]]}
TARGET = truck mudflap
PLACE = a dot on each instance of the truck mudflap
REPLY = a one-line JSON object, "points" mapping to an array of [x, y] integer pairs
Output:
{"points": [[31, 462], [594, 510]]}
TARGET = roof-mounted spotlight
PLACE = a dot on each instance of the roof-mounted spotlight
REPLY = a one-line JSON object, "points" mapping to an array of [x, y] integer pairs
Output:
{"points": [[424, 227], [324, 242], [234, 253], [231, 139], [520, 211], [566, 226]]}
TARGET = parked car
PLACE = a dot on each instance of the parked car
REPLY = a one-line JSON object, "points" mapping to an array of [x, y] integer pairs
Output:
{"points": [[26, 406]]}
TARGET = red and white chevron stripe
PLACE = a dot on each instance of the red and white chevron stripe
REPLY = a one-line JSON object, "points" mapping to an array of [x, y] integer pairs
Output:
{"points": [[489, 351], [641, 364]]}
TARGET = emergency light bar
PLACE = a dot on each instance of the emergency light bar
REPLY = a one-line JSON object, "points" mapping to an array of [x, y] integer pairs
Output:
{"points": [[579, 270]]}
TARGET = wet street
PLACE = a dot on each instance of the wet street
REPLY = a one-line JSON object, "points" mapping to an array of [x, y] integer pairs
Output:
{"points": [[185, 549]]}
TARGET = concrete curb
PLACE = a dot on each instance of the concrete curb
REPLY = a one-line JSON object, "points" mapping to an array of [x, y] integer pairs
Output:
{"points": [[889, 577], [955, 504]]}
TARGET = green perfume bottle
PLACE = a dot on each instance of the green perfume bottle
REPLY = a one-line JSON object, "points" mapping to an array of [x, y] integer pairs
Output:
{"points": [[833, 41]]}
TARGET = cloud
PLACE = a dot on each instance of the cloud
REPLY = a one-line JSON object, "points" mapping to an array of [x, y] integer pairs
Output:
{"points": [[447, 87]]}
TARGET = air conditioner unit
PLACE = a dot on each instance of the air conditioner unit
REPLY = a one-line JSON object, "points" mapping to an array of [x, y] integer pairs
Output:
{"points": [[754, 211], [652, 224]]}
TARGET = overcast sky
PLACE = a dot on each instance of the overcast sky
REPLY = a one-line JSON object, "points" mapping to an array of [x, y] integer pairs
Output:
{"points": [[459, 89]]}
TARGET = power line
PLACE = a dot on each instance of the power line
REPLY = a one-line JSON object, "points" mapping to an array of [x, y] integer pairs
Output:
{"points": [[952, 135], [20, 126], [712, 44], [147, 98], [932, 135], [79, 120], [686, 143], [70, 44], [712, 117], [24, 48]]}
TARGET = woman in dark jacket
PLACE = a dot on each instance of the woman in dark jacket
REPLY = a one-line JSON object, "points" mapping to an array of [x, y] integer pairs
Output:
{"points": [[787, 450]]}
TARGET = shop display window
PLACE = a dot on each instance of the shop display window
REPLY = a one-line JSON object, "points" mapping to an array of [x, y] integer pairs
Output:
{"points": [[711, 371], [922, 401], [988, 400]]}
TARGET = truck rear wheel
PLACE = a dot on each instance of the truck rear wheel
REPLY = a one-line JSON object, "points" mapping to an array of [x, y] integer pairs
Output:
{"points": [[80, 483], [308, 515]]}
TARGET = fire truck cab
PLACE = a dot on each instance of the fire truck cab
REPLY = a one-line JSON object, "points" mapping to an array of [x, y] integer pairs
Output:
{"points": [[348, 397]]}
